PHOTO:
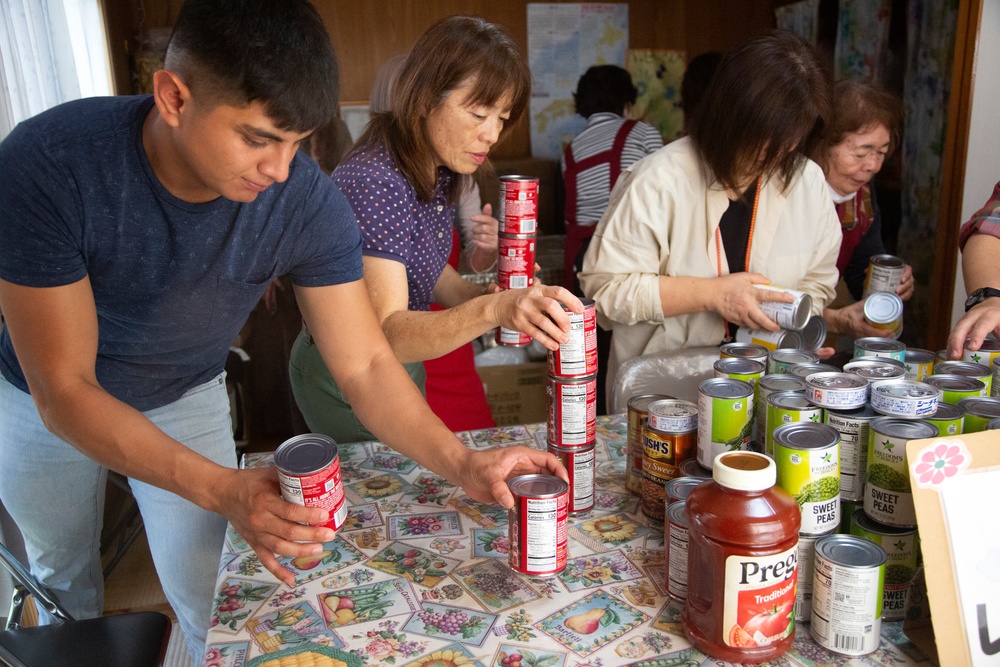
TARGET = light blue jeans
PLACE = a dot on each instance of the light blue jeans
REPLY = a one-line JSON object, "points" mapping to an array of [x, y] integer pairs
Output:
{"points": [[56, 496]]}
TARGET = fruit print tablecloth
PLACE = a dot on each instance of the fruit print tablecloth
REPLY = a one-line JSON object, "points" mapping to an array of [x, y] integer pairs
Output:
{"points": [[418, 577]]}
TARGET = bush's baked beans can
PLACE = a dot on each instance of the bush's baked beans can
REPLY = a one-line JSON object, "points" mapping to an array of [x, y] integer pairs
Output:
{"points": [[854, 427], [948, 419], [884, 274], [690, 468], [579, 463], [985, 355], [772, 340], [888, 496], [805, 370], [537, 525], [518, 212], [966, 369], [907, 399], [837, 391], [875, 368], [848, 576], [954, 388], [744, 351], [515, 270], [637, 415], [787, 407], [309, 475], [884, 310], [814, 333], [767, 385], [670, 438], [676, 537], [572, 411], [780, 360], [918, 363], [578, 357], [806, 556], [792, 315], [901, 549], [725, 418], [978, 411], [807, 456], [874, 346]]}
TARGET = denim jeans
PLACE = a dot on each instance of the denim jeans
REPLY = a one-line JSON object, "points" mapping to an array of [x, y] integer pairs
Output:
{"points": [[320, 400], [56, 496]]}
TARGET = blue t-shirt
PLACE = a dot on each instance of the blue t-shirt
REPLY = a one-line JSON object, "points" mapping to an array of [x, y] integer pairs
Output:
{"points": [[396, 225], [173, 281]]}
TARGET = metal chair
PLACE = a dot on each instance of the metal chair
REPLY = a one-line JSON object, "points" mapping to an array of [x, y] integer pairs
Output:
{"points": [[137, 639], [675, 373]]}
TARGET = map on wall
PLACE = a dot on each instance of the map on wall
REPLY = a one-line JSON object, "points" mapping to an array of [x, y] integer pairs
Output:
{"points": [[657, 76], [563, 41]]}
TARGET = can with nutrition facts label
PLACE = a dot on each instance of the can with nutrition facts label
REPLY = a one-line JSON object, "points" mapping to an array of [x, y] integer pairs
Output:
{"points": [[578, 357], [537, 525], [309, 475], [515, 270], [518, 212], [572, 415]]}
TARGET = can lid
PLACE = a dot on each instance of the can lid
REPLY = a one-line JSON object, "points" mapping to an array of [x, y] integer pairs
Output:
{"points": [[677, 513], [992, 424], [782, 382], [980, 406], [305, 454], [790, 400], [790, 356], [952, 382], [680, 487], [964, 368], [806, 435], [907, 429], [887, 260], [750, 350], [804, 370], [872, 368], [744, 471], [989, 345], [883, 307], [872, 359], [538, 486], [640, 402], [879, 344], [814, 332], [672, 415], [725, 388], [905, 389], [835, 380], [945, 412], [916, 355], [851, 551], [739, 365]]}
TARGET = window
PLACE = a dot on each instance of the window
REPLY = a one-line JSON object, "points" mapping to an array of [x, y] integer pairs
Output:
{"points": [[51, 51]]}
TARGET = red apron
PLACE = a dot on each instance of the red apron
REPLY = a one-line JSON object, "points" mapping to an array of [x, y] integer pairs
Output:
{"points": [[577, 234], [454, 390]]}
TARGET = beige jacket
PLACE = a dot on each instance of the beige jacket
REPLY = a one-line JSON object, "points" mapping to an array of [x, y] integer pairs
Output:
{"points": [[663, 218]]}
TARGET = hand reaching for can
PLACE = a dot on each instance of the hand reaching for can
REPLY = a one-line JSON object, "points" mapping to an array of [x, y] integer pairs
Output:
{"points": [[485, 473], [537, 311]]}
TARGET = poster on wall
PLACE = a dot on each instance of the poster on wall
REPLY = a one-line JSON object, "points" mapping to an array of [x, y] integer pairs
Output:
{"points": [[563, 41], [657, 75]]}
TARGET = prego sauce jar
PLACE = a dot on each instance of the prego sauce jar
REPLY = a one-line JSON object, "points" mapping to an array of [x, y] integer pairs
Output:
{"points": [[742, 561]]}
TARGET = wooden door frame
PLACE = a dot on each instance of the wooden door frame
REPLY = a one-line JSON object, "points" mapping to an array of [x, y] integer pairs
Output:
{"points": [[953, 172]]}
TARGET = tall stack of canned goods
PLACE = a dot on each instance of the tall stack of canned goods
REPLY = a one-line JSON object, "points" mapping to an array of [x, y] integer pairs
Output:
{"points": [[518, 225], [571, 390]]}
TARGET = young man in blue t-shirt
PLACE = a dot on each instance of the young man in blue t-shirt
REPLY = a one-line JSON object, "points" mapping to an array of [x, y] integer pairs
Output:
{"points": [[138, 233]]}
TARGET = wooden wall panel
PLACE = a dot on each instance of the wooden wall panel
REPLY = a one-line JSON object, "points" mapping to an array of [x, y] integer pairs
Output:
{"points": [[367, 32]]}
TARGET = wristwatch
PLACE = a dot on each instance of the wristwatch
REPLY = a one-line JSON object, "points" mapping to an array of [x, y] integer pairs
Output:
{"points": [[980, 295]]}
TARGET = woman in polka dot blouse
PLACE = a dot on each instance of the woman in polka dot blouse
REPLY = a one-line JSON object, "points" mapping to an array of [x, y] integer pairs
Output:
{"points": [[462, 86]]}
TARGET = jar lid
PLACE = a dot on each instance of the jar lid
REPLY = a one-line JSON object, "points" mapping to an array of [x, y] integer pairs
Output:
{"points": [[744, 471]]}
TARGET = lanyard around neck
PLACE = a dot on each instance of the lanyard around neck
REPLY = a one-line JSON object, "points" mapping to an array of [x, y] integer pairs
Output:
{"points": [[753, 221]]}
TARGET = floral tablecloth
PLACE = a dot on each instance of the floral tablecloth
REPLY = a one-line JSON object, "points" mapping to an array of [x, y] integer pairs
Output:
{"points": [[419, 577]]}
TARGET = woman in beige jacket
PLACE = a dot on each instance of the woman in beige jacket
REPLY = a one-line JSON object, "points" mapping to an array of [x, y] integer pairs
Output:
{"points": [[693, 227]]}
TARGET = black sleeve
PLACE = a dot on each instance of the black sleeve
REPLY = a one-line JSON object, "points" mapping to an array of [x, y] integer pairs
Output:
{"points": [[871, 244]]}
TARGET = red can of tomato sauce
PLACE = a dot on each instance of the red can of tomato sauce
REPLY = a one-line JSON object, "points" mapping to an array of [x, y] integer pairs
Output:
{"points": [[578, 357], [518, 205], [538, 525], [572, 418], [309, 475]]}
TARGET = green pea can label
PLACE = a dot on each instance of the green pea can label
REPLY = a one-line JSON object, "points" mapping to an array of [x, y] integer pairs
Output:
{"points": [[806, 456], [771, 384], [725, 418], [918, 363], [900, 546], [969, 369], [978, 411], [948, 419], [787, 407], [888, 497]]}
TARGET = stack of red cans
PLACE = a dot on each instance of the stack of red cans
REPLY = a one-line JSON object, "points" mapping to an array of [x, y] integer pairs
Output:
{"points": [[571, 390], [518, 218]]}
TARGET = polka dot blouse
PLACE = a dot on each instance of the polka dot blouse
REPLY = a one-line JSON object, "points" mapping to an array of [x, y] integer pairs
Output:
{"points": [[395, 224]]}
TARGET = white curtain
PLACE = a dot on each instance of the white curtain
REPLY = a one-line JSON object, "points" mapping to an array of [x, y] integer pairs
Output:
{"points": [[51, 51]]}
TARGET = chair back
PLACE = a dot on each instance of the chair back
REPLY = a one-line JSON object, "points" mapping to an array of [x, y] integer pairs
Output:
{"points": [[26, 583], [675, 373]]}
